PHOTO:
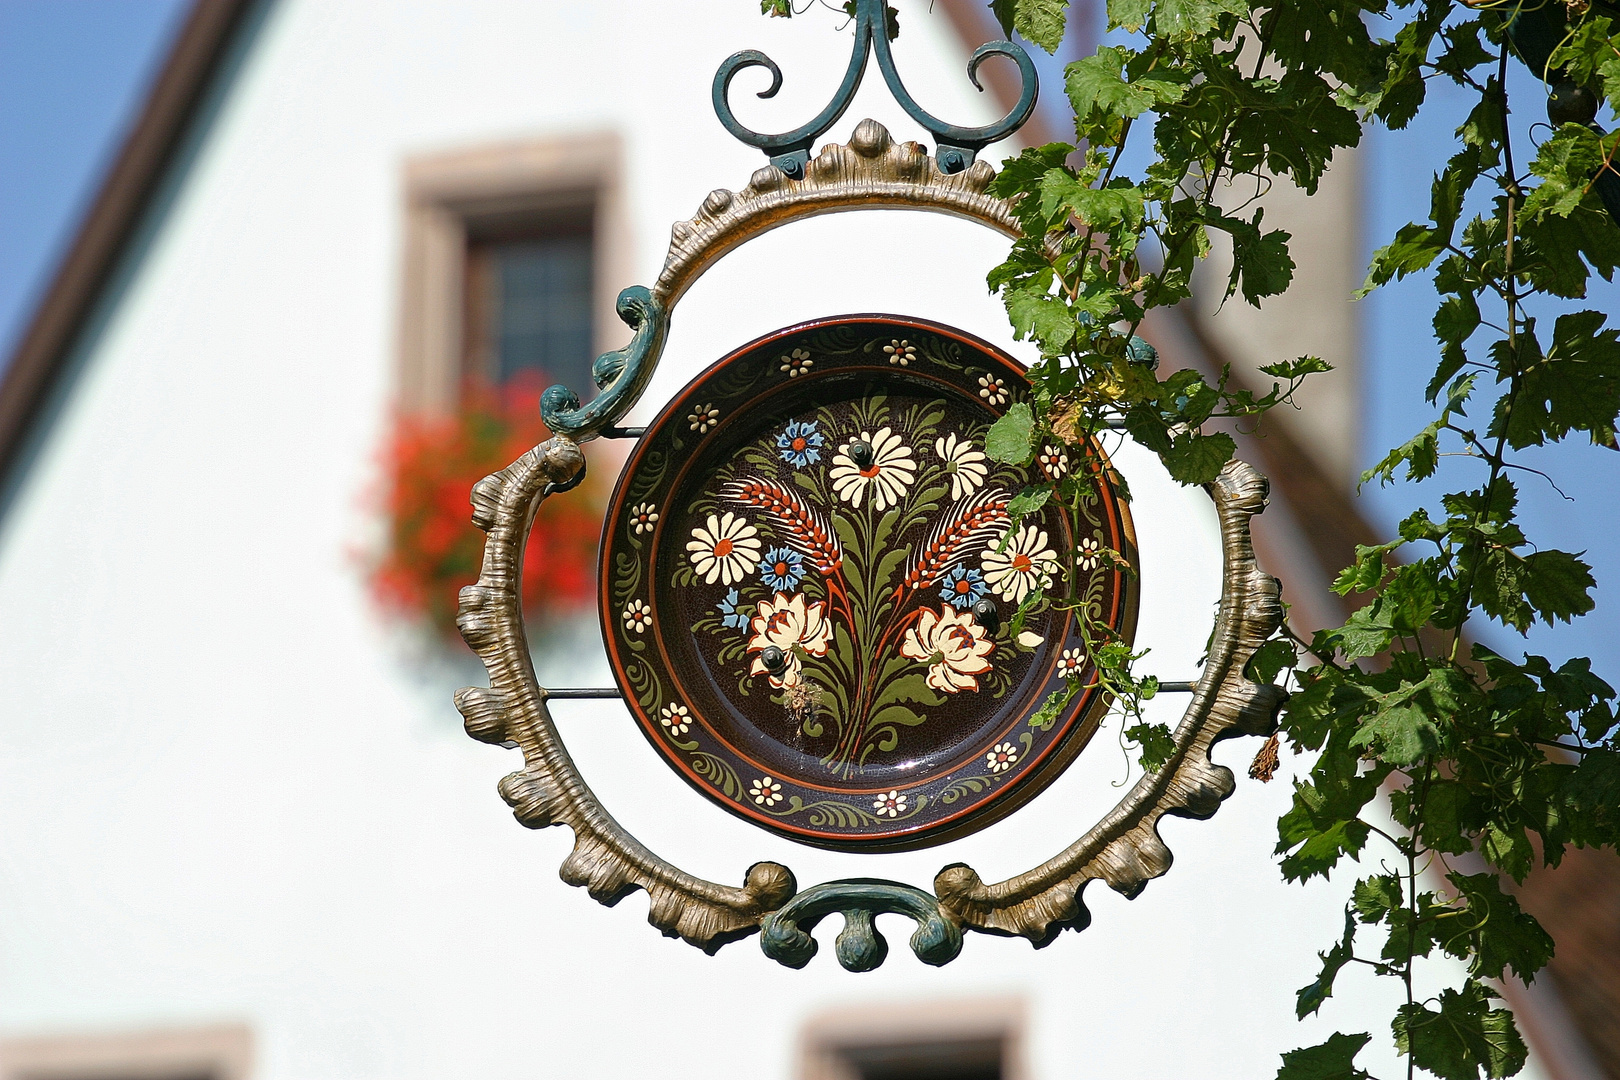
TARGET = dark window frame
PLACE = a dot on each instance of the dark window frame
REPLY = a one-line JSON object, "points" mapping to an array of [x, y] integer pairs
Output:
{"points": [[491, 242]]}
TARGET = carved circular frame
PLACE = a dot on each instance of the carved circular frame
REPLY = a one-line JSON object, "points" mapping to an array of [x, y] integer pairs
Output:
{"points": [[1123, 849]]}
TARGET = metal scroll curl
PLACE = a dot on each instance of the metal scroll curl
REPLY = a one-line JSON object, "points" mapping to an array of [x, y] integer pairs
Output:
{"points": [[1123, 849], [956, 147], [871, 172]]}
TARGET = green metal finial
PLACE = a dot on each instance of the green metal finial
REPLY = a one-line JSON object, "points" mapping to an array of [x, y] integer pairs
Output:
{"points": [[955, 147]]}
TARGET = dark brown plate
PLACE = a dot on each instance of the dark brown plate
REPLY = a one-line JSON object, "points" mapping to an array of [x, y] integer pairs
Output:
{"points": [[793, 572]]}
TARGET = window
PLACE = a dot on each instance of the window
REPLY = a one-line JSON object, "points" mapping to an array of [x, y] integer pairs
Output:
{"points": [[958, 1040], [514, 256], [529, 292], [974, 1059], [215, 1052]]}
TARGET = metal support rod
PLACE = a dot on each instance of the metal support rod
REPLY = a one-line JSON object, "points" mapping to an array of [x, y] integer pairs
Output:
{"points": [[587, 692]]}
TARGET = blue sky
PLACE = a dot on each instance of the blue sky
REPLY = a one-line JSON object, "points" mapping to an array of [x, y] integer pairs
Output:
{"points": [[73, 73], [72, 77]]}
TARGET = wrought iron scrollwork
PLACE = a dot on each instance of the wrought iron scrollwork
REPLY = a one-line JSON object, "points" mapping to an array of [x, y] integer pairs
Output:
{"points": [[955, 147], [785, 933], [1123, 849], [621, 375]]}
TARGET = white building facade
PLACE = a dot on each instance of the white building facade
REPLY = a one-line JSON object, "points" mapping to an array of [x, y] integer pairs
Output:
{"points": [[235, 799]]}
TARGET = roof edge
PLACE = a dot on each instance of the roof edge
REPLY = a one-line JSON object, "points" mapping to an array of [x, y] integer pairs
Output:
{"points": [[107, 227]]}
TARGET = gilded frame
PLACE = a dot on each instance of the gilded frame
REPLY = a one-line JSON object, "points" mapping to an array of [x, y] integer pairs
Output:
{"points": [[1123, 849]]}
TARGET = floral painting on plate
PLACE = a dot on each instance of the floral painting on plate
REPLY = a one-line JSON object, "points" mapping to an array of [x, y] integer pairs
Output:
{"points": [[820, 605]]}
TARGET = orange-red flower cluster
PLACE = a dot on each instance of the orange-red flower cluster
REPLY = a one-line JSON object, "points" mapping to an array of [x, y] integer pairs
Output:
{"points": [[431, 464]]}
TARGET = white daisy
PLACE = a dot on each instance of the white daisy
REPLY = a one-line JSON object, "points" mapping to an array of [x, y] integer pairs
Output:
{"points": [[726, 549], [1025, 564], [964, 464], [1054, 462], [1070, 662], [765, 791], [900, 352], [643, 517], [797, 363], [886, 468], [891, 805], [1090, 554], [1001, 757], [993, 390], [703, 418], [675, 718], [637, 617]]}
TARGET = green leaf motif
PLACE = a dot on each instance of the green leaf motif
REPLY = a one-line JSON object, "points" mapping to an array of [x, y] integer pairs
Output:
{"points": [[1011, 439], [1198, 459], [1005, 12], [1332, 1060], [1322, 850], [1038, 316], [1558, 585], [1310, 998], [1463, 1038], [1574, 387], [1403, 734], [1375, 897], [1261, 265], [1156, 742], [1505, 936], [1097, 86], [1028, 501], [1040, 21], [1194, 18], [1130, 14], [1269, 660]]}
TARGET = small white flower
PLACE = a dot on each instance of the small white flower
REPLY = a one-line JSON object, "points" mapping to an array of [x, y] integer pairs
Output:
{"points": [[1070, 662], [643, 517], [992, 389], [797, 363], [1001, 757], [637, 616], [675, 718], [1054, 462], [1090, 553], [964, 464], [725, 549], [703, 418], [901, 352], [891, 805], [765, 791]]}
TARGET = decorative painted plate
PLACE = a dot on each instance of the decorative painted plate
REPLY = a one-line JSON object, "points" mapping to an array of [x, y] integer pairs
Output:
{"points": [[811, 587]]}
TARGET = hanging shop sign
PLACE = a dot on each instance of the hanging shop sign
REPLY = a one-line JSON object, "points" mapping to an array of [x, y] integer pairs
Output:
{"points": [[816, 603]]}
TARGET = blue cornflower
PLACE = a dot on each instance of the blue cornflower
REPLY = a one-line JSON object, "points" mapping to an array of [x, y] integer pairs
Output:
{"points": [[962, 587], [728, 610], [782, 568], [800, 444]]}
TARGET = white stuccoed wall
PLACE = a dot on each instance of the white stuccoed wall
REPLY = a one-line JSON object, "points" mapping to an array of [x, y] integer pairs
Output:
{"points": [[228, 790]]}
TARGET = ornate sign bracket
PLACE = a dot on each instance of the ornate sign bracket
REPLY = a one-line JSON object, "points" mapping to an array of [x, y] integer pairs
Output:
{"points": [[955, 147], [1123, 849]]}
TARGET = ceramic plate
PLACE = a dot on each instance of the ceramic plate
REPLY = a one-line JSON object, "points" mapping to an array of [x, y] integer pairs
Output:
{"points": [[811, 587]]}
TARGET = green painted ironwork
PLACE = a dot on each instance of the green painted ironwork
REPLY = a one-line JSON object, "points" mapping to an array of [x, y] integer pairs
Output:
{"points": [[955, 146], [785, 933], [621, 375]]}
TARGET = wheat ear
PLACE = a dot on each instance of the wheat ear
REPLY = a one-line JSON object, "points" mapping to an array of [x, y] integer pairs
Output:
{"points": [[800, 527], [972, 524]]}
